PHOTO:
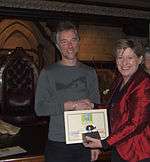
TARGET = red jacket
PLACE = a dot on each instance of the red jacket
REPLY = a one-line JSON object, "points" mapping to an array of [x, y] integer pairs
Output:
{"points": [[130, 119]]}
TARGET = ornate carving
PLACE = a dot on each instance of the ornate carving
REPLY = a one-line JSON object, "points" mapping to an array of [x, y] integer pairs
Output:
{"points": [[76, 8]]}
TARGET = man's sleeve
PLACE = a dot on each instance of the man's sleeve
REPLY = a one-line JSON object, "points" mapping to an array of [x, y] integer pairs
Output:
{"points": [[46, 102], [93, 87]]}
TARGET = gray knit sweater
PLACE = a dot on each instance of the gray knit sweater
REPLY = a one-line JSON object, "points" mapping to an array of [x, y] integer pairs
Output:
{"points": [[59, 83]]}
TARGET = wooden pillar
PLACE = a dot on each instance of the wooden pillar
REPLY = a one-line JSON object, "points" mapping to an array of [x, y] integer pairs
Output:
{"points": [[149, 34]]}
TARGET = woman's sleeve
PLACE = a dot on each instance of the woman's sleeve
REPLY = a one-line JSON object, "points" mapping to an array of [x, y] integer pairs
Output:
{"points": [[138, 106]]}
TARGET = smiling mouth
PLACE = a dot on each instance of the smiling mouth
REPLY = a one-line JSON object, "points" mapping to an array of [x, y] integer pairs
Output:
{"points": [[126, 69]]}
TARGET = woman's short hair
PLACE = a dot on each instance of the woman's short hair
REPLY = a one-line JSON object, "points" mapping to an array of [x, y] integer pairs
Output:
{"points": [[135, 45]]}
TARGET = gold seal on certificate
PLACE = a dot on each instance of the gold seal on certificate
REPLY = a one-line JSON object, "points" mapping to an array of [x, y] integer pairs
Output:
{"points": [[85, 122]]}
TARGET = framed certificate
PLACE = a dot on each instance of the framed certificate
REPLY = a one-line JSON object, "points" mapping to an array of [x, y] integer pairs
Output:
{"points": [[76, 123]]}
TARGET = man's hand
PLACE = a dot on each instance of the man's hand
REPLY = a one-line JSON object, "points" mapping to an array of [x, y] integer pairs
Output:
{"points": [[84, 104], [94, 154], [69, 105]]}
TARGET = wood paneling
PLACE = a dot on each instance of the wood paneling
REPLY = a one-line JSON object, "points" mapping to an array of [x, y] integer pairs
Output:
{"points": [[97, 42], [27, 159]]}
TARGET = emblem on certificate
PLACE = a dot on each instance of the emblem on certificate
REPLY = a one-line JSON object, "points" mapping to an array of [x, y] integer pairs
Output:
{"points": [[79, 124]]}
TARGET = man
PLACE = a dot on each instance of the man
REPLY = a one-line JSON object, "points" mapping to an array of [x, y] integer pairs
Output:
{"points": [[64, 86]]}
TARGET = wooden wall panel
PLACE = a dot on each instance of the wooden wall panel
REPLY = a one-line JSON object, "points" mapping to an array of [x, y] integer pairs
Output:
{"points": [[97, 42]]}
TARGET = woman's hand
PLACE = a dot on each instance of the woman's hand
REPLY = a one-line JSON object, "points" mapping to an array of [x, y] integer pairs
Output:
{"points": [[95, 154], [92, 142]]}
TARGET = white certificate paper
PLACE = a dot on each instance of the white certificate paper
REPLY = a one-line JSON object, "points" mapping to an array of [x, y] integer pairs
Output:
{"points": [[77, 121]]}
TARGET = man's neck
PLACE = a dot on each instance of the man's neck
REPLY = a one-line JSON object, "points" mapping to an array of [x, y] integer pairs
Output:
{"points": [[69, 62]]}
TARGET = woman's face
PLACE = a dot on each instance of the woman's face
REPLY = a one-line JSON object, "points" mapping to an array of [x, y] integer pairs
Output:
{"points": [[127, 62]]}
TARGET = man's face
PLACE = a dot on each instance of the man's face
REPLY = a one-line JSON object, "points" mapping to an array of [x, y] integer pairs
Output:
{"points": [[68, 44]]}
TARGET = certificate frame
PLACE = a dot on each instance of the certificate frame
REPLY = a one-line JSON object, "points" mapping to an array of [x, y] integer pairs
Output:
{"points": [[77, 121]]}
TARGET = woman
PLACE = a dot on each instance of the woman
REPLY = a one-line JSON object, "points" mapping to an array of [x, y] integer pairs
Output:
{"points": [[147, 59], [130, 110]]}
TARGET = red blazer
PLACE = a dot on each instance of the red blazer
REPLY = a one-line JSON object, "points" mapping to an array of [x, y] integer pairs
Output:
{"points": [[130, 119]]}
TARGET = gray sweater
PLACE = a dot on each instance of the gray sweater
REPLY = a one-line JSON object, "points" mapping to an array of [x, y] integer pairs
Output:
{"points": [[59, 83]]}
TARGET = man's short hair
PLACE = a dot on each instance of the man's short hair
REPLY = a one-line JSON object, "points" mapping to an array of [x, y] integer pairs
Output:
{"points": [[64, 26]]}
